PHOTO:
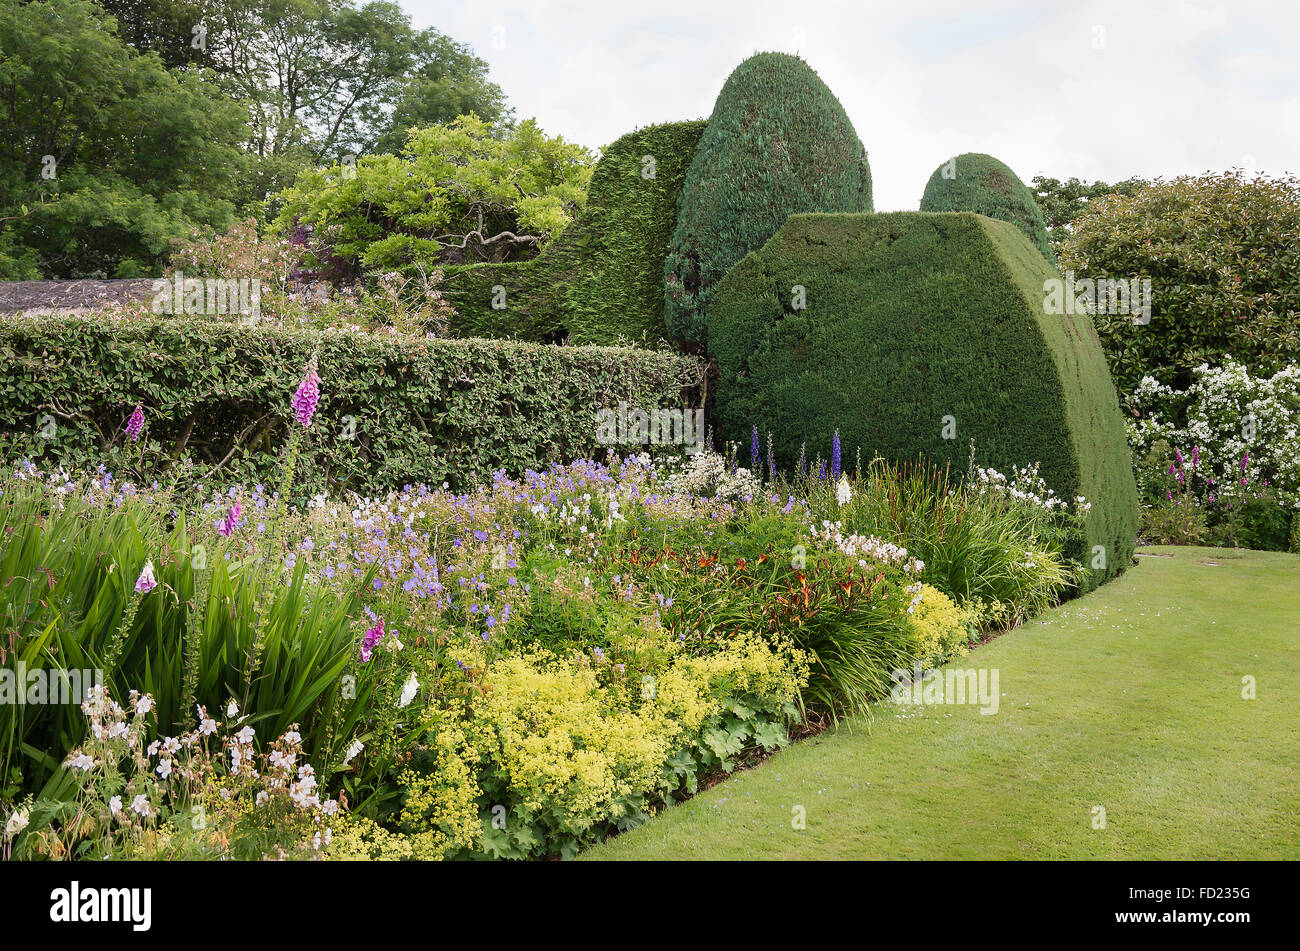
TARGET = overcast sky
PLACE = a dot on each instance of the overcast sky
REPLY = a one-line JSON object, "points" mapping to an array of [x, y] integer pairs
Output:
{"points": [[1096, 90]]}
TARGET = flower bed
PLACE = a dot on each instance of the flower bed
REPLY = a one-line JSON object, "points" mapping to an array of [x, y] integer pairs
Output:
{"points": [[513, 671]]}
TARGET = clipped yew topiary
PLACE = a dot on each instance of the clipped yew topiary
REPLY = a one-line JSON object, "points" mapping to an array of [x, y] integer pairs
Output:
{"points": [[919, 333], [602, 277], [778, 142], [980, 183]]}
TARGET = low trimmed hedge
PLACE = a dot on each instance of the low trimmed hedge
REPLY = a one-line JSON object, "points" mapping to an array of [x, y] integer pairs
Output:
{"points": [[421, 409]]}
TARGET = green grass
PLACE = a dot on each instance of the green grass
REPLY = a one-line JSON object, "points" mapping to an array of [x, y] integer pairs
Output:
{"points": [[1129, 698]]}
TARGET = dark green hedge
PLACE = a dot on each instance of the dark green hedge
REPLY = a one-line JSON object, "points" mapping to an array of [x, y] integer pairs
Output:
{"points": [[425, 410], [911, 318], [778, 142], [982, 184], [602, 277]]}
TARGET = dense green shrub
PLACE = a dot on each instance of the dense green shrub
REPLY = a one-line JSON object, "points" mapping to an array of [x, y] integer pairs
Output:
{"points": [[982, 184], [1223, 259], [778, 142], [394, 409], [921, 333], [602, 277]]}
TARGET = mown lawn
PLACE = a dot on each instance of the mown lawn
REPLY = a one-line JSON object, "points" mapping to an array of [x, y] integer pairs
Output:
{"points": [[1129, 699]]}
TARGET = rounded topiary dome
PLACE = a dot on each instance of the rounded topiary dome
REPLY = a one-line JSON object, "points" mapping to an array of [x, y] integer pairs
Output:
{"points": [[980, 183], [778, 142]]}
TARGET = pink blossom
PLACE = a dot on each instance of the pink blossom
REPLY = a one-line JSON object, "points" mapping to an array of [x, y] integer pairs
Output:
{"points": [[146, 582], [308, 395], [226, 527], [373, 637]]}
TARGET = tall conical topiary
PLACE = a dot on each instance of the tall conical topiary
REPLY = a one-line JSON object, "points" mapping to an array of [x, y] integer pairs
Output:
{"points": [[778, 142], [980, 183]]}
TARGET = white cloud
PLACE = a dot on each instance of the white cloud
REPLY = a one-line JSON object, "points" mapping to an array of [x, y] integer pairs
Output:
{"points": [[1098, 90]]}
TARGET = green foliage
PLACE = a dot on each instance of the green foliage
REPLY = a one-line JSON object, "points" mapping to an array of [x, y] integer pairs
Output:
{"points": [[1062, 203], [1221, 254], [982, 184], [163, 27], [1179, 521], [910, 319], [980, 544], [69, 563], [136, 156], [394, 409], [322, 79], [778, 142], [447, 81], [601, 279], [456, 194]]}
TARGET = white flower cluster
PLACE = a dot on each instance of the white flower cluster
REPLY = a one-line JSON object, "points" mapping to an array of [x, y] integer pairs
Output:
{"points": [[865, 548], [1025, 485], [1230, 415], [706, 475]]}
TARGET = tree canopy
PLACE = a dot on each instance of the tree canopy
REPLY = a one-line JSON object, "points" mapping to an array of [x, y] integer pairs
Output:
{"points": [[105, 155], [1221, 253], [457, 194]]}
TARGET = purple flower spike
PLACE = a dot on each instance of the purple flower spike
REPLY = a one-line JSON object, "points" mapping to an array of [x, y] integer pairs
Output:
{"points": [[135, 425], [308, 395], [835, 455], [226, 527]]}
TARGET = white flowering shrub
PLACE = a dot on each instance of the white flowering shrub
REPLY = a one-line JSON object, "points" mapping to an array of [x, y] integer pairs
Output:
{"points": [[1241, 431], [707, 475]]}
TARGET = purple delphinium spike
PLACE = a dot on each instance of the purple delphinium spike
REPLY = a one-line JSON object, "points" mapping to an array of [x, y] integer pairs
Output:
{"points": [[135, 425], [308, 395], [755, 450], [835, 455]]}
